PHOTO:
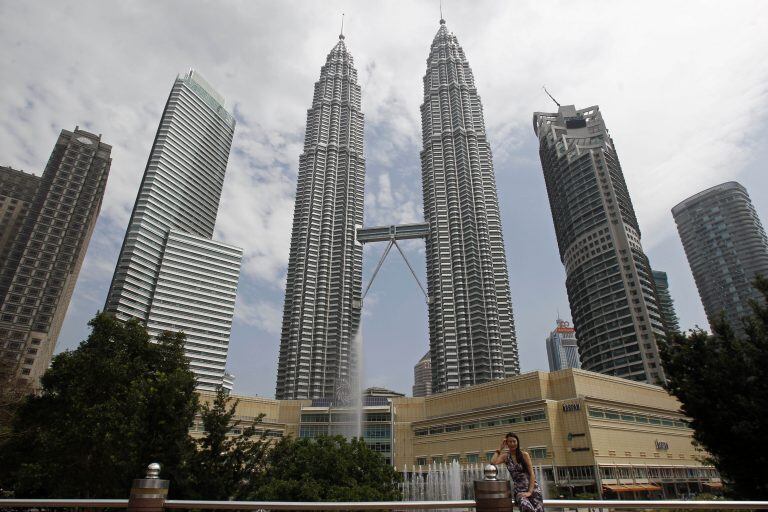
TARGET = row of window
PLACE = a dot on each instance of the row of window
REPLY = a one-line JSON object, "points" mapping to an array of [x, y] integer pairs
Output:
{"points": [[381, 431], [610, 414], [536, 452], [324, 417], [524, 417]]}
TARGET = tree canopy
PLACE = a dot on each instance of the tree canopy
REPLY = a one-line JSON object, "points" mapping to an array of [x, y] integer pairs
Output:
{"points": [[105, 410], [226, 464], [722, 384], [326, 469]]}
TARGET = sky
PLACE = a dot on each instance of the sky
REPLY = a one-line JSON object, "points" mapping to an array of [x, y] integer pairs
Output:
{"points": [[682, 85]]}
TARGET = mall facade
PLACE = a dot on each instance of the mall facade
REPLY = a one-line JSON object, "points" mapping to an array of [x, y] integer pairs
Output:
{"points": [[589, 433]]}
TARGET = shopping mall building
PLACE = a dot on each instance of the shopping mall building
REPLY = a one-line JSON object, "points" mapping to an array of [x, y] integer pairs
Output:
{"points": [[589, 432]]}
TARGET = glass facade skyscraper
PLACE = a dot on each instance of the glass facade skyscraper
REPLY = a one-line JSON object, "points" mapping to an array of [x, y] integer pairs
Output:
{"points": [[322, 294], [726, 247], [471, 326], [666, 304], [170, 274], [46, 224], [422, 377], [562, 349], [608, 278]]}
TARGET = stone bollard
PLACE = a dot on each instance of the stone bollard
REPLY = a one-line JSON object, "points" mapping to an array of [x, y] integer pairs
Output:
{"points": [[492, 495], [148, 494]]}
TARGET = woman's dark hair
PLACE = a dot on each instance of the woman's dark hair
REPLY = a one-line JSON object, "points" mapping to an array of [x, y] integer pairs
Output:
{"points": [[518, 452]]}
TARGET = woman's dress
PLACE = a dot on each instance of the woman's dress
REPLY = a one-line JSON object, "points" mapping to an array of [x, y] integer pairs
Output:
{"points": [[520, 482]]}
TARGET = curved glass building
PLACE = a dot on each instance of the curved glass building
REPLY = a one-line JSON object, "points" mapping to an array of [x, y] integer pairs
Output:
{"points": [[610, 287], [726, 247]]}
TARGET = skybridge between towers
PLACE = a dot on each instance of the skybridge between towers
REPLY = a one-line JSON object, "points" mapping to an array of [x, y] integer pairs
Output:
{"points": [[391, 234]]}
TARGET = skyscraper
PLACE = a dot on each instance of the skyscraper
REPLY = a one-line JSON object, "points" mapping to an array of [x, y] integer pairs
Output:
{"points": [[46, 223], [608, 277], [562, 349], [170, 275], [726, 248], [471, 327], [322, 293], [422, 377], [666, 304]]}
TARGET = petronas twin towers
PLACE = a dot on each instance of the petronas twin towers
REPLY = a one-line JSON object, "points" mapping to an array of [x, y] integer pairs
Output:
{"points": [[471, 326], [326, 262]]}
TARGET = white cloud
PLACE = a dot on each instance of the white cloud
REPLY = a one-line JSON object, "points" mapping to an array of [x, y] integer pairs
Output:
{"points": [[262, 314], [682, 91]]}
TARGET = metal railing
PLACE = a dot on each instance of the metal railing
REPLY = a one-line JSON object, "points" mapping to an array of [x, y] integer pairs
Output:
{"points": [[387, 505], [149, 495]]}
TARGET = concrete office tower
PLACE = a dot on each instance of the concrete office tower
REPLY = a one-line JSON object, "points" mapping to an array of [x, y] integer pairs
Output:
{"points": [[471, 327], [608, 278], [666, 304], [17, 192], [422, 377], [170, 274], [322, 293], [562, 350], [47, 223], [726, 248]]}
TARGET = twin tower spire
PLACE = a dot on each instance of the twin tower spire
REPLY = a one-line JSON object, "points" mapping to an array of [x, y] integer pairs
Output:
{"points": [[471, 326]]}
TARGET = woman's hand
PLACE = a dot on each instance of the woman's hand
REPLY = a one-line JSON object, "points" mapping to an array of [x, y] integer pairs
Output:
{"points": [[526, 494], [503, 444]]}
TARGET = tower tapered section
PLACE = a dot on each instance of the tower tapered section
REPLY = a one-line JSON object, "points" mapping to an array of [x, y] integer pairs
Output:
{"points": [[471, 327], [325, 263]]}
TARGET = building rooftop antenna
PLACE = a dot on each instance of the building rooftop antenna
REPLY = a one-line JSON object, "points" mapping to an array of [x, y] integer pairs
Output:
{"points": [[341, 34], [442, 20], [551, 97]]}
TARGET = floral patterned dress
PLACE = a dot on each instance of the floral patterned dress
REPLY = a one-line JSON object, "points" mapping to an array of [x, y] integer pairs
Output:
{"points": [[520, 482]]}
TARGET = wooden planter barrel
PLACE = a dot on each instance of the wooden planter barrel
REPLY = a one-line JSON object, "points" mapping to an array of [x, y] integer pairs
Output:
{"points": [[493, 496]]}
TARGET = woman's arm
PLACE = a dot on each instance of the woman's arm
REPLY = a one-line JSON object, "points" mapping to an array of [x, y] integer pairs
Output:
{"points": [[531, 476], [499, 457]]}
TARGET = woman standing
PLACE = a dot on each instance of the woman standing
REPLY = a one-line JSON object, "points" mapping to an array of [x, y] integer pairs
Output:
{"points": [[527, 492]]}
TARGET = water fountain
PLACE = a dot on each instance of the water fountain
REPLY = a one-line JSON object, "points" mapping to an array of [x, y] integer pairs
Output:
{"points": [[356, 371], [348, 395], [452, 481]]}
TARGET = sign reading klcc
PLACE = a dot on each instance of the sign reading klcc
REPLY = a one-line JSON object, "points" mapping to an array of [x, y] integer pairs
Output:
{"points": [[572, 407]]}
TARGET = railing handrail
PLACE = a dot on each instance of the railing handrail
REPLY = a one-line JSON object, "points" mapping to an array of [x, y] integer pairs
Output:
{"points": [[55, 502], [386, 505]]}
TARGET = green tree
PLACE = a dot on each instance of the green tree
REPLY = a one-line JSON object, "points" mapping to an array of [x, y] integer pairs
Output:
{"points": [[722, 384], [225, 464], [12, 395], [105, 410], [326, 469]]}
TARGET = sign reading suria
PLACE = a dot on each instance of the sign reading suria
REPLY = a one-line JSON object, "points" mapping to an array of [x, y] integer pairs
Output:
{"points": [[572, 407], [662, 445]]}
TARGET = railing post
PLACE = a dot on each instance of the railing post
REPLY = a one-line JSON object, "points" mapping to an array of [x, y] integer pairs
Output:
{"points": [[492, 495], [148, 494]]}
